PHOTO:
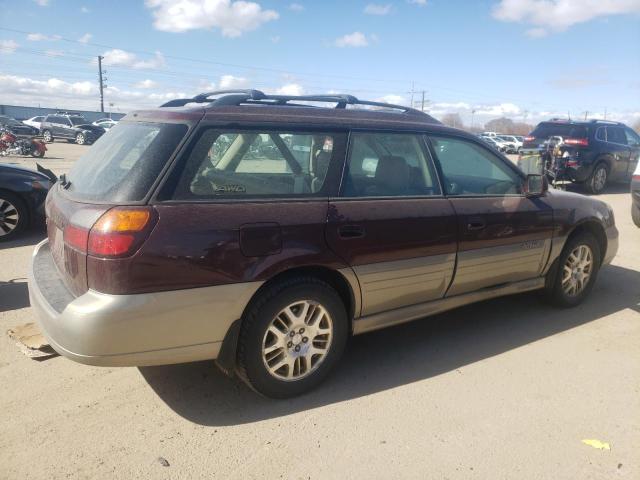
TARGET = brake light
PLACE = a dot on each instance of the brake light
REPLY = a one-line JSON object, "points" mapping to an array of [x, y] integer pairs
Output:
{"points": [[529, 139], [76, 237], [572, 163], [581, 142], [120, 231]]}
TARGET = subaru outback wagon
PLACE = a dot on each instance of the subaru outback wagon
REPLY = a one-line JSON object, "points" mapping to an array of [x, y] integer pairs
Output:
{"points": [[262, 231]]}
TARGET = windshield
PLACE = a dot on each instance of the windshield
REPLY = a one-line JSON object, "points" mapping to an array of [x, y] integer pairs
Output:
{"points": [[564, 130], [123, 164], [78, 120], [8, 121]]}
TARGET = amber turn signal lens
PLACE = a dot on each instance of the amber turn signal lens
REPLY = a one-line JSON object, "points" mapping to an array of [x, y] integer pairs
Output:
{"points": [[122, 220]]}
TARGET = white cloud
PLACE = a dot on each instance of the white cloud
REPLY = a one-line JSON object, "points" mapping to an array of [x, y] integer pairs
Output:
{"points": [[377, 9], [394, 99], [54, 53], [40, 37], [233, 18], [84, 10], [420, 3], [146, 84], [296, 7], [536, 32], [86, 38], [121, 58], [42, 3], [290, 89], [355, 39], [275, 39], [8, 46], [229, 82], [558, 15]]}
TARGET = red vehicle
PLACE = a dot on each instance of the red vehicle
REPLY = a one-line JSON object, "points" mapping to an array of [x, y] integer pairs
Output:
{"points": [[10, 144], [263, 230]]}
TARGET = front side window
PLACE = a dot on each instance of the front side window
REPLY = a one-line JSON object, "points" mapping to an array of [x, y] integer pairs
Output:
{"points": [[388, 165], [633, 139], [256, 164], [470, 169], [616, 135]]}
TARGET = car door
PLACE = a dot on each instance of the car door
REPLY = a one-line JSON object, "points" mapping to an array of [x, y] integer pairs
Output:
{"points": [[633, 141], [503, 235], [620, 152], [391, 223], [57, 126], [67, 128]]}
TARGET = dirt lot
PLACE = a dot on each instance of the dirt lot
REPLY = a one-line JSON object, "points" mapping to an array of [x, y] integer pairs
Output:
{"points": [[504, 389]]}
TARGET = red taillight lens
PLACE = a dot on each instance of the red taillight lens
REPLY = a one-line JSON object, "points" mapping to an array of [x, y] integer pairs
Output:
{"points": [[636, 178], [581, 142], [120, 231], [529, 139], [572, 163], [76, 237]]}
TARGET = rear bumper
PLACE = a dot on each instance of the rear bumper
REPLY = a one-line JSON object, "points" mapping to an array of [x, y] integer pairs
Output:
{"points": [[133, 330]]}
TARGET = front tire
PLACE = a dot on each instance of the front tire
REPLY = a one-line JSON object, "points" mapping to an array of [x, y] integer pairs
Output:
{"points": [[576, 271], [14, 215], [597, 182], [80, 140], [291, 337], [47, 136], [635, 215]]}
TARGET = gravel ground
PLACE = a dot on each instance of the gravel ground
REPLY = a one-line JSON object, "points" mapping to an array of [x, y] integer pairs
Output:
{"points": [[507, 388]]}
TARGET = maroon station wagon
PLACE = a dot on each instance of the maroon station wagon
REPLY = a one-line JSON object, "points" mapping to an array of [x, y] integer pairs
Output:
{"points": [[263, 230]]}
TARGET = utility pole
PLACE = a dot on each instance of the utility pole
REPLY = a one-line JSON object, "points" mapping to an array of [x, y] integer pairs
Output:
{"points": [[412, 92], [101, 80], [586, 114], [605, 113]]}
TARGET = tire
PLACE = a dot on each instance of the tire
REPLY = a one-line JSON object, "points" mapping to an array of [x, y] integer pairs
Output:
{"points": [[259, 348], [37, 153], [635, 215], [558, 288], [47, 136], [80, 140], [14, 215], [597, 182]]}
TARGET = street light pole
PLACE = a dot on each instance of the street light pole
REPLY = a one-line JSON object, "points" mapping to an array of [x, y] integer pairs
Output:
{"points": [[101, 83]]}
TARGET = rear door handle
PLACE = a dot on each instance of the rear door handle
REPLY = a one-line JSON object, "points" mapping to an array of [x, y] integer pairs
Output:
{"points": [[351, 231], [476, 223]]}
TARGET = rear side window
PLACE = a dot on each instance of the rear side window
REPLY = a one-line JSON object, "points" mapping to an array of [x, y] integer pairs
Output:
{"points": [[546, 130], [616, 135], [258, 163], [470, 169], [388, 165], [124, 163]]}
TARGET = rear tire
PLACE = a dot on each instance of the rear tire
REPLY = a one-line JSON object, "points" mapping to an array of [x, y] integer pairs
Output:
{"points": [[14, 215], [597, 182], [635, 215], [576, 272], [80, 140], [292, 335], [47, 136]]}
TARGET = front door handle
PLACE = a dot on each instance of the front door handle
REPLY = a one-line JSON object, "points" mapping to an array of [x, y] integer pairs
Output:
{"points": [[351, 231], [476, 223]]}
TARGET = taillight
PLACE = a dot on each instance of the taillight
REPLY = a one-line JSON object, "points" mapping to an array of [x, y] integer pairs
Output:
{"points": [[120, 231], [572, 163], [76, 237], [529, 139], [581, 142]]}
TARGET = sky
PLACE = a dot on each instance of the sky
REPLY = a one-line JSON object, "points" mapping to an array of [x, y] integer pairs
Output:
{"points": [[524, 59]]}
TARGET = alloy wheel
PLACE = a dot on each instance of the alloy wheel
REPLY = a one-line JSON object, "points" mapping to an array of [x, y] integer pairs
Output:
{"points": [[297, 340], [600, 178], [577, 270], [47, 136], [9, 217], [80, 139]]}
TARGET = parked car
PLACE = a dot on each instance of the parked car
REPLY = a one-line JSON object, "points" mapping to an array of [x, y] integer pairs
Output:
{"points": [[17, 128], [635, 196], [513, 141], [105, 123], [262, 232], [34, 122], [596, 152], [22, 196], [505, 146], [493, 142], [73, 128]]}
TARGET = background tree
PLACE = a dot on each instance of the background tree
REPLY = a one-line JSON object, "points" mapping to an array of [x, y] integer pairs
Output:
{"points": [[636, 126], [452, 120]]}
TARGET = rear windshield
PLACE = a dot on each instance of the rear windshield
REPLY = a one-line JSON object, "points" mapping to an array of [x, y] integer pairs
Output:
{"points": [[123, 164], [564, 130]]}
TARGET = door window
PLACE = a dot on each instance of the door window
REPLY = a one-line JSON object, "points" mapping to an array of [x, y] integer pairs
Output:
{"points": [[388, 165], [470, 169], [616, 135], [256, 164], [633, 139]]}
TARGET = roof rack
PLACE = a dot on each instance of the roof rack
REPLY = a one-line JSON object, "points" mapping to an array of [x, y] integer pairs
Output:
{"points": [[257, 97], [611, 122]]}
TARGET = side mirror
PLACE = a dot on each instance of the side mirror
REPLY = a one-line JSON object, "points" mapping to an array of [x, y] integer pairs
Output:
{"points": [[535, 185]]}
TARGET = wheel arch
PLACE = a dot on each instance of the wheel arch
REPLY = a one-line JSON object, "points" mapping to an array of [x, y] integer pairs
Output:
{"points": [[595, 228]]}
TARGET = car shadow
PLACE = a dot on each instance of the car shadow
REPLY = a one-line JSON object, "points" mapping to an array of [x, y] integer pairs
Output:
{"points": [[31, 237], [397, 356], [14, 294], [611, 189]]}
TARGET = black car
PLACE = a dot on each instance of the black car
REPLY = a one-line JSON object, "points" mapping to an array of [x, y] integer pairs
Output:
{"points": [[595, 152], [18, 128], [635, 196], [73, 128], [22, 196]]}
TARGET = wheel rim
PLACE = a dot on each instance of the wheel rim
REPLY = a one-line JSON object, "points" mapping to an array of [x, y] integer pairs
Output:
{"points": [[47, 136], [577, 270], [80, 139], [600, 178], [9, 217], [297, 340]]}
